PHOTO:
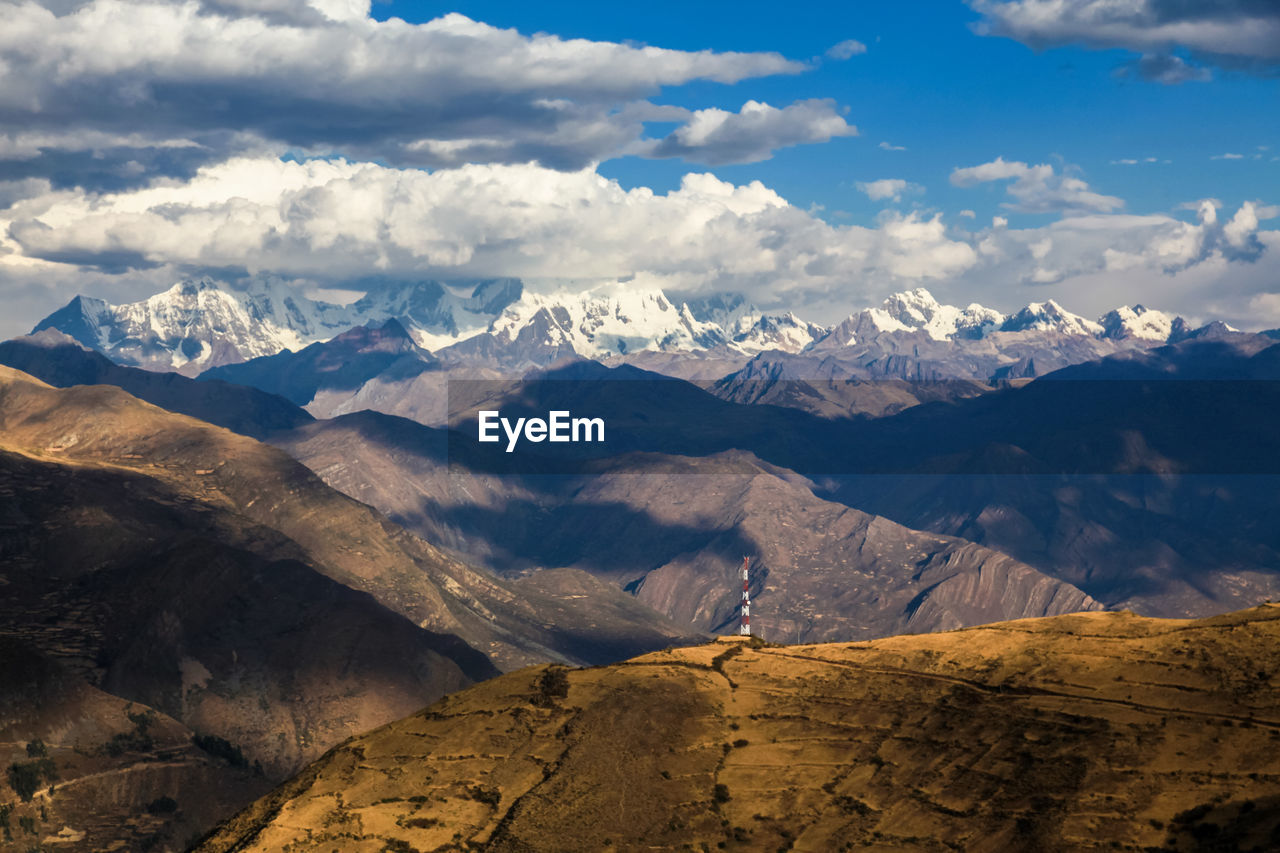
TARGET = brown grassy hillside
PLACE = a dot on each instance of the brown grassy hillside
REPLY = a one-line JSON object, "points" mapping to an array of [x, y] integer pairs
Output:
{"points": [[1089, 731]]}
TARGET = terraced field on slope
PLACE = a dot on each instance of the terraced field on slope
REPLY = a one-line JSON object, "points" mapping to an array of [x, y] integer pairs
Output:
{"points": [[1089, 731]]}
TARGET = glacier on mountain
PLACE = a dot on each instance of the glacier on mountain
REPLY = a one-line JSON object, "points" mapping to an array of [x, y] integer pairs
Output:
{"points": [[201, 323]]}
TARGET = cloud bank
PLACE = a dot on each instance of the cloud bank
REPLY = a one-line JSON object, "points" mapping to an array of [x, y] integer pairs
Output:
{"points": [[336, 219], [326, 221], [106, 91], [1236, 34]]}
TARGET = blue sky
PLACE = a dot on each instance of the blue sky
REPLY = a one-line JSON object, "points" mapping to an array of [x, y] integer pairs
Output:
{"points": [[951, 97], [1006, 151]]}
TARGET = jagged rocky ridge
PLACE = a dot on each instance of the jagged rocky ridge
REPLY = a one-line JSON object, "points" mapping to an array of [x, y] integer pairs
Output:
{"points": [[200, 324], [880, 361]]}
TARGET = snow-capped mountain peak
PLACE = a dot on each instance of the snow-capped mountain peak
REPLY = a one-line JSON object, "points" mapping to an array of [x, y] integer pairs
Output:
{"points": [[608, 321], [912, 308], [201, 323], [915, 311], [1050, 317], [1137, 322], [918, 311], [432, 312], [783, 332]]}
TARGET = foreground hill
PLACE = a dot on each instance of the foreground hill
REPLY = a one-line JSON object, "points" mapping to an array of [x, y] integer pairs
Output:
{"points": [[1089, 731]]}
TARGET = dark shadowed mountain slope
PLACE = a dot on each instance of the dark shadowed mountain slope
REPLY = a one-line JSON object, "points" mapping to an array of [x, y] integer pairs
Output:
{"points": [[823, 571], [83, 766], [341, 365], [1086, 732], [674, 529], [1030, 471], [1161, 545], [832, 389], [367, 367], [54, 358], [1123, 523], [157, 596], [1186, 426], [129, 589], [1152, 493]]}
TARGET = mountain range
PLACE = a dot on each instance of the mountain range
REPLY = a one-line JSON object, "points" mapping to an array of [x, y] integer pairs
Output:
{"points": [[634, 523], [207, 569], [201, 324], [377, 350], [1113, 486]]}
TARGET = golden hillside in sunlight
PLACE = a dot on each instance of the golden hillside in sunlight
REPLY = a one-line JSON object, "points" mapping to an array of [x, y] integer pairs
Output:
{"points": [[1088, 731]]}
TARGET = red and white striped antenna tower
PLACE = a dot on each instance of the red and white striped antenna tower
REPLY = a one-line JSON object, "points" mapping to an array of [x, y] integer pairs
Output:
{"points": [[745, 627]]}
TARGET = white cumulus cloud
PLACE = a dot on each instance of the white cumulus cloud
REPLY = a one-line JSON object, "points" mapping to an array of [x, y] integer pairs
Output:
{"points": [[334, 220], [1036, 189], [888, 189], [328, 222], [126, 78], [716, 136]]}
